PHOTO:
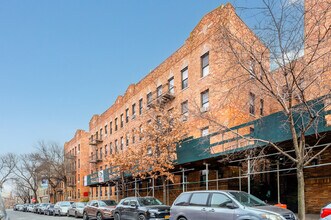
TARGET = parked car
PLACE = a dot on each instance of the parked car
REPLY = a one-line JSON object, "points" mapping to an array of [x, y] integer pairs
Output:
{"points": [[141, 208], [49, 210], [35, 208], [30, 208], [76, 209], [20, 207], [326, 212], [61, 208], [25, 207], [100, 209], [15, 207], [42, 207], [225, 205]]}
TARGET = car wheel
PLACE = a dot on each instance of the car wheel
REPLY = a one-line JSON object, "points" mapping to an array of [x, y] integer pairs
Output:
{"points": [[182, 218], [99, 216], [141, 217], [85, 216], [117, 216], [76, 215], [68, 214]]}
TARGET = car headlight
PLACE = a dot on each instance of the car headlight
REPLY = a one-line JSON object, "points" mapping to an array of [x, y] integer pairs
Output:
{"points": [[271, 217]]}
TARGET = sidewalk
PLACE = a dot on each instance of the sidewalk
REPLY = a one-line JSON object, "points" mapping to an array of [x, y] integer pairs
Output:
{"points": [[312, 217]]}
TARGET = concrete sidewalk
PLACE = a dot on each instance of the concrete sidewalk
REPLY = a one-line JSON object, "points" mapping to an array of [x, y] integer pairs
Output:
{"points": [[312, 217]]}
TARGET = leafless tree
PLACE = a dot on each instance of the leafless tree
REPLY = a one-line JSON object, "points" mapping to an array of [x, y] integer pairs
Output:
{"points": [[7, 165], [21, 190], [283, 64], [27, 172], [55, 166]]}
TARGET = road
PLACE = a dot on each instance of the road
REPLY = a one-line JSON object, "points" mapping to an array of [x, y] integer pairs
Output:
{"points": [[16, 215]]}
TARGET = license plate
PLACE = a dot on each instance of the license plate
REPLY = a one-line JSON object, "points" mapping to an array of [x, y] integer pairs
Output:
{"points": [[167, 217]]}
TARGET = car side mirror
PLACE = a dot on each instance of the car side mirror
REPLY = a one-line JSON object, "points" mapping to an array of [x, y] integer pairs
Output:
{"points": [[231, 205]]}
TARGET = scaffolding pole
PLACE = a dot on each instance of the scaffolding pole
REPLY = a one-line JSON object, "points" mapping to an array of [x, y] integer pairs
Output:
{"points": [[278, 184], [216, 178], [249, 176], [239, 178], [183, 179], [207, 175], [108, 192], [153, 190], [117, 196]]}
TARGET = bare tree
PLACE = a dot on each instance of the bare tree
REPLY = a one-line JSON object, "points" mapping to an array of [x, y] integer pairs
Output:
{"points": [[27, 172], [7, 165], [21, 190], [284, 64], [54, 166], [154, 152]]}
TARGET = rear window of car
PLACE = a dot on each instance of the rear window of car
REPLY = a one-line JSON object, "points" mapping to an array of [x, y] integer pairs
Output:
{"points": [[199, 199], [65, 204], [183, 199]]}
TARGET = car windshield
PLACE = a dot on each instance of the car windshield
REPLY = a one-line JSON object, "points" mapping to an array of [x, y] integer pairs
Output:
{"points": [[247, 199], [65, 204], [104, 203], [80, 205], [149, 201]]}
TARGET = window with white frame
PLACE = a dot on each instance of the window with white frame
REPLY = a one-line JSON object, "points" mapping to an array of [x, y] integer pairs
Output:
{"points": [[133, 110], [140, 106], [171, 85], [252, 103], [184, 110], [205, 64], [127, 115], [159, 91], [149, 98], [205, 100], [204, 131], [184, 78]]}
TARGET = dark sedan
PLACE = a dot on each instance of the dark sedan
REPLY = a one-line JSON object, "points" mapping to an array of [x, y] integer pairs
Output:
{"points": [[141, 208]]}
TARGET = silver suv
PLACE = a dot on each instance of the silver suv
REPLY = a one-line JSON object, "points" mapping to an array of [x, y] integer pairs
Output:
{"points": [[225, 205]]}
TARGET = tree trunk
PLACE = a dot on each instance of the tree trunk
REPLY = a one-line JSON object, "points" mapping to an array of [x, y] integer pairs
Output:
{"points": [[301, 193], [164, 190]]}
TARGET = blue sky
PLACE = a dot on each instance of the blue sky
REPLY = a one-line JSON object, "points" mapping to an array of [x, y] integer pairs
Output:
{"points": [[63, 61]]}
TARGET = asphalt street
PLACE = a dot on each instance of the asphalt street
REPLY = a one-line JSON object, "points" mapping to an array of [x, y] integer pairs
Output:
{"points": [[16, 215]]}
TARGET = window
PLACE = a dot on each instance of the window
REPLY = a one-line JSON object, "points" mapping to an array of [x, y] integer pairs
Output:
{"points": [[140, 132], [251, 69], [122, 122], [185, 78], [127, 115], [184, 108], [252, 103], [204, 131], [116, 124], [106, 150], [159, 91], [199, 199], [149, 98], [205, 100], [111, 127], [205, 64], [219, 200], [97, 153], [127, 139], [140, 106], [78, 147], [171, 85], [183, 199], [116, 146], [78, 193], [106, 129], [122, 143], [100, 152], [100, 133], [78, 163], [261, 107], [134, 111], [133, 137]]}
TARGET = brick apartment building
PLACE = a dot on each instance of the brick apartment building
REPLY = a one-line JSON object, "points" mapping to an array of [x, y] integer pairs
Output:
{"points": [[188, 81]]}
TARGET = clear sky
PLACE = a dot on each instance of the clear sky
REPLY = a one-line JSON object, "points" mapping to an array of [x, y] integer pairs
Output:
{"points": [[63, 61]]}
